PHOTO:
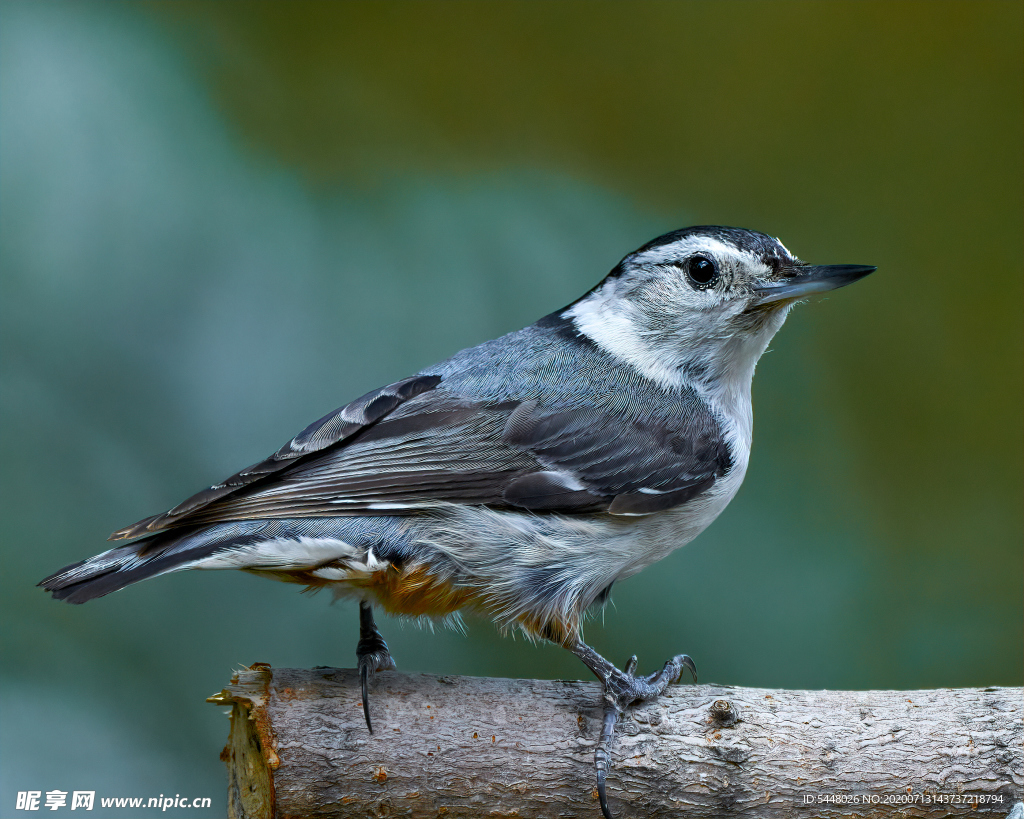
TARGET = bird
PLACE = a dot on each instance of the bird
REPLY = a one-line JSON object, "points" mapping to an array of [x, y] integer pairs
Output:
{"points": [[519, 479]]}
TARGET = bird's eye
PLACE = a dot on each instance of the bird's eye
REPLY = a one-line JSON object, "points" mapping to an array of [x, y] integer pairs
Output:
{"points": [[701, 271]]}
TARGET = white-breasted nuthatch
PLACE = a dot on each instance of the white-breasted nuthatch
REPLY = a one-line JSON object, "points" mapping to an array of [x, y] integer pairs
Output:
{"points": [[520, 478]]}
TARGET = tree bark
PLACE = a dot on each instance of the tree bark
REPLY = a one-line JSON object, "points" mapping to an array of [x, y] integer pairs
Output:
{"points": [[465, 746]]}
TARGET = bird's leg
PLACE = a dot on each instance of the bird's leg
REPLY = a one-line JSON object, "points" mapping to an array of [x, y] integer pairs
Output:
{"points": [[621, 690], [372, 653]]}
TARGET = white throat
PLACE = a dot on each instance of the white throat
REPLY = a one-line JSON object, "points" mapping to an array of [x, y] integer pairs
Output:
{"points": [[719, 367]]}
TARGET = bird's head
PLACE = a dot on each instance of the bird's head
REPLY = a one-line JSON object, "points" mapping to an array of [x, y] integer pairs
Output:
{"points": [[701, 300]]}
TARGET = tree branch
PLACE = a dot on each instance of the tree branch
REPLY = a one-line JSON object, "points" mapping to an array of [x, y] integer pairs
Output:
{"points": [[465, 746]]}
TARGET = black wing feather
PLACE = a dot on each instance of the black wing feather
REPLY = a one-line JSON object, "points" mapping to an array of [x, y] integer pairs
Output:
{"points": [[673, 459]]}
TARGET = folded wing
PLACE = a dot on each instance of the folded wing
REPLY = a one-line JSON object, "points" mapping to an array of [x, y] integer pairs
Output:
{"points": [[334, 427], [390, 454]]}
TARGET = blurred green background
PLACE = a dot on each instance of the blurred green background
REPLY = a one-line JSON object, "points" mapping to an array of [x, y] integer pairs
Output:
{"points": [[221, 220]]}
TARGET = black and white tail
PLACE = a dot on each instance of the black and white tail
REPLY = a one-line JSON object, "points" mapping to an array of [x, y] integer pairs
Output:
{"points": [[124, 565], [253, 544]]}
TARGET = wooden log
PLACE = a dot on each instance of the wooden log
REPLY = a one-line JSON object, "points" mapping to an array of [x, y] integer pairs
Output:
{"points": [[467, 747]]}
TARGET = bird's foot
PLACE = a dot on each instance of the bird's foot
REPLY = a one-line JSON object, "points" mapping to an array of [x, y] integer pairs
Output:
{"points": [[624, 689], [373, 655]]}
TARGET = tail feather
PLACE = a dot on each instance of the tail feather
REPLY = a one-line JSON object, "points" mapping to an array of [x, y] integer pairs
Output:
{"points": [[254, 544], [120, 567]]}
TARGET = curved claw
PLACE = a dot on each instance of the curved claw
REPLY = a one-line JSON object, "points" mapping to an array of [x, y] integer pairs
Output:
{"points": [[370, 664], [602, 756], [364, 677], [604, 799], [623, 689], [373, 655], [685, 661]]}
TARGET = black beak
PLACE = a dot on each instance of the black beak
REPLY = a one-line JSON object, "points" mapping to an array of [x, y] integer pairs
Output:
{"points": [[810, 279]]}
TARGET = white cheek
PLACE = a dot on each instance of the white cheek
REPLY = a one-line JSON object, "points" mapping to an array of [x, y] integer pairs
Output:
{"points": [[655, 321], [616, 331]]}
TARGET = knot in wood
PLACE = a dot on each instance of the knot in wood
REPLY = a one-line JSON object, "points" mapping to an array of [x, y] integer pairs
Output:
{"points": [[723, 713]]}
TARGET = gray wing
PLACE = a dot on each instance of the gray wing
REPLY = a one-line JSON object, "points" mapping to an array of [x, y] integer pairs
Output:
{"points": [[439, 448], [333, 428]]}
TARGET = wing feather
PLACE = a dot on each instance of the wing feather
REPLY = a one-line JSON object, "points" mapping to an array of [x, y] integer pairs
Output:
{"points": [[387, 453], [329, 430], [510, 455]]}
